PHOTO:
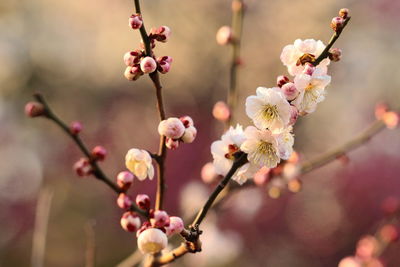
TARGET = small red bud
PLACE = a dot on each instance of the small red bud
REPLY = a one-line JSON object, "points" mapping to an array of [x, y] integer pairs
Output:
{"points": [[335, 54], [135, 21], [99, 153], [34, 109], [344, 13], [143, 201], [337, 24], [281, 80], [82, 167], [75, 127]]}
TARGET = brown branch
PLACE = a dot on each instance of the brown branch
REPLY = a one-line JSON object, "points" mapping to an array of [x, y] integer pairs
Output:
{"points": [[333, 39], [237, 26], [96, 170], [162, 151], [362, 138]]}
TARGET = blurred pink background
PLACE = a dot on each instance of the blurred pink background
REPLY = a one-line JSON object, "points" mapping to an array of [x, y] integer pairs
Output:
{"points": [[72, 52]]}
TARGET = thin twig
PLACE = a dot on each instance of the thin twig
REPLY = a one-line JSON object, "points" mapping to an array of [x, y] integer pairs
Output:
{"points": [[362, 138], [333, 39], [162, 151], [237, 26], [96, 170], [40, 231]]}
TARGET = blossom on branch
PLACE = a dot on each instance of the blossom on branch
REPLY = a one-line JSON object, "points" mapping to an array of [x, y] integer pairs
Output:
{"points": [[138, 161]]}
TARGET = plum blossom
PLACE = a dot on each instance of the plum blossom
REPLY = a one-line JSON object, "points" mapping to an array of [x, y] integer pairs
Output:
{"points": [[269, 109], [291, 55], [285, 143], [223, 154], [262, 147], [138, 161], [312, 90]]}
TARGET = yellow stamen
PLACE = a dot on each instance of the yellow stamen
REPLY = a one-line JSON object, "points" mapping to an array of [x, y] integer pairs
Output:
{"points": [[270, 112]]}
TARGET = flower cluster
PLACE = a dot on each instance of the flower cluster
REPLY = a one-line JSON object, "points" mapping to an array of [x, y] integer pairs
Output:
{"points": [[275, 110], [139, 61], [177, 130]]}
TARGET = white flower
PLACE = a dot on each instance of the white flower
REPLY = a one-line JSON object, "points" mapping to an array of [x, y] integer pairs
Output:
{"points": [[312, 90], [152, 240], [269, 109], [223, 153], [138, 161], [292, 53], [261, 147], [285, 143]]}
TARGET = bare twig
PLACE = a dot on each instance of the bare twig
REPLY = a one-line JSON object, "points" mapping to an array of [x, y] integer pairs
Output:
{"points": [[237, 26], [40, 231]]}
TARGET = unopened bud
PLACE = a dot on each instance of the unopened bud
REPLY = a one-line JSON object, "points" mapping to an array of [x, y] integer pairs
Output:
{"points": [[189, 135], [143, 201], [224, 35], [171, 143], [172, 128], [152, 241], [290, 91], [175, 226], [124, 201], [75, 127], [99, 153], [160, 34], [337, 24], [132, 58], [163, 67], [281, 80], [124, 180], [187, 121], [148, 65], [309, 68], [34, 109], [130, 221], [344, 13], [159, 219], [135, 21], [82, 167], [335, 54], [133, 73]]}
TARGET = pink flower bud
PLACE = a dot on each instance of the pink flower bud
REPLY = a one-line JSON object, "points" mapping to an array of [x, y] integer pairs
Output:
{"points": [[224, 35], [166, 59], [290, 91], [135, 21], [132, 58], [34, 109], [335, 54], [221, 111], [152, 241], [294, 114], [308, 68], [75, 127], [208, 174], [172, 128], [262, 176], [281, 80], [143, 201], [163, 67], [344, 13], [124, 180], [187, 121], [99, 153], [175, 226], [160, 34], [82, 167], [367, 247], [159, 219], [145, 226], [189, 135], [171, 143], [133, 73], [124, 201], [130, 222], [148, 65], [391, 119], [337, 24]]}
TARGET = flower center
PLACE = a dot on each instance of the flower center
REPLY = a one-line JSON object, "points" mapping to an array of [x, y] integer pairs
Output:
{"points": [[265, 154], [232, 149], [310, 58], [270, 112], [309, 87]]}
